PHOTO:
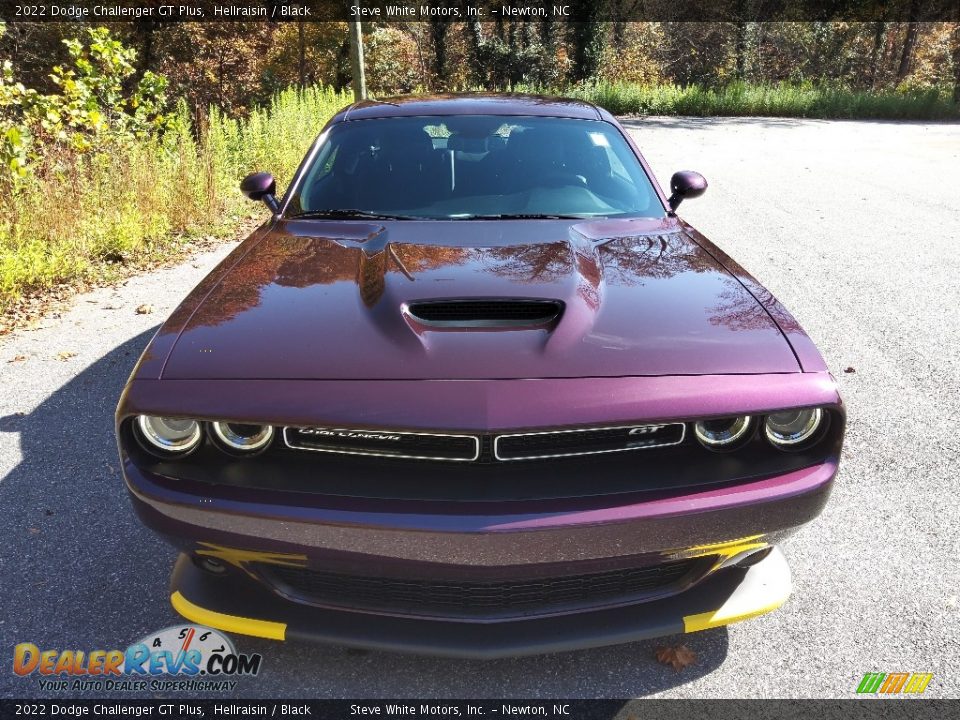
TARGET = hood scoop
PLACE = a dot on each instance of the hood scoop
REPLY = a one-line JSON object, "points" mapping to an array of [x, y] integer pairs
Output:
{"points": [[496, 313]]}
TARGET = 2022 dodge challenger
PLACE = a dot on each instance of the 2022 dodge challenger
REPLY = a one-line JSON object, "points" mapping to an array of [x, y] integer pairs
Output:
{"points": [[475, 389]]}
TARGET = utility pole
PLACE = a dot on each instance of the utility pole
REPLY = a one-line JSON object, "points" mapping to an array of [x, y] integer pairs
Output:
{"points": [[358, 79]]}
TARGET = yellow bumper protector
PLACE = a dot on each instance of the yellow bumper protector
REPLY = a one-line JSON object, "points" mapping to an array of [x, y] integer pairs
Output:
{"points": [[229, 623]]}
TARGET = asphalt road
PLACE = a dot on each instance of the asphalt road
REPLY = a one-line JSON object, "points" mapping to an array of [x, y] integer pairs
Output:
{"points": [[854, 225]]}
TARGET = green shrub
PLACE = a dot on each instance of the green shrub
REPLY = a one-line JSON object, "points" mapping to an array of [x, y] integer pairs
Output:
{"points": [[772, 100], [79, 213]]}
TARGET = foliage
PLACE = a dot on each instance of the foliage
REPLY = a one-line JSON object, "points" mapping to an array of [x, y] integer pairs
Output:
{"points": [[765, 99], [139, 205], [587, 39], [391, 58], [240, 65], [93, 108]]}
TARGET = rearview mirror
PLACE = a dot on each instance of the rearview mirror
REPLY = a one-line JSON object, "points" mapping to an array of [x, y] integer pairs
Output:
{"points": [[261, 186], [685, 184]]}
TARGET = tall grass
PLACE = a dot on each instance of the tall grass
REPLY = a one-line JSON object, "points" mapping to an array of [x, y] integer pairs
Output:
{"points": [[80, 216], [770, 100]]}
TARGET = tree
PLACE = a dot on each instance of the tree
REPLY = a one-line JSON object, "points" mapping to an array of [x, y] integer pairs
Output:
{"points": [[438, 40], [906, 56], [587, 36], [955, 51], [358, 78]]}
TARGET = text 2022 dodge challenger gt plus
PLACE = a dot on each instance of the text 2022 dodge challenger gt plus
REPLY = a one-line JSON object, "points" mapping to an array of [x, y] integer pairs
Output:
{"points": [[474, 389]]}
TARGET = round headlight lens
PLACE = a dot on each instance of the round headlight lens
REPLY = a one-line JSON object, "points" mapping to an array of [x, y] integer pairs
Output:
{"points": [[793, 427], [243, 437], [174, 436], [722, 433]]}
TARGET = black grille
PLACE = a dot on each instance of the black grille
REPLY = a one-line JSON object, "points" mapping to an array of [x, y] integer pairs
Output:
{"points": [[486, 313], [531, 446], [384, 443], [485, 447], [462, 598]]}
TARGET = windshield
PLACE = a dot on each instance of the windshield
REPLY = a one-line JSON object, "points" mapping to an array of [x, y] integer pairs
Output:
{"points": [[475, 166]]}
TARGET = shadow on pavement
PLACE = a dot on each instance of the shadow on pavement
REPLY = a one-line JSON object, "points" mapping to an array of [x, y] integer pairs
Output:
{"points": [[80, 572]]}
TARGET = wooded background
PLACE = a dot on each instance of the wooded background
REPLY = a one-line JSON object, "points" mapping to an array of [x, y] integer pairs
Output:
{"points": [[239, 65]]}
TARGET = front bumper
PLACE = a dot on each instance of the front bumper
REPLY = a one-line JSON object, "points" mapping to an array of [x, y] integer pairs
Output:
{"points": [[234, 604], [719, 525], [441, 537]]}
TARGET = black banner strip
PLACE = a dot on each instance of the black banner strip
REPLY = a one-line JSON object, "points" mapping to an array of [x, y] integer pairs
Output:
{"points": [[558, 709], [104, 11]]}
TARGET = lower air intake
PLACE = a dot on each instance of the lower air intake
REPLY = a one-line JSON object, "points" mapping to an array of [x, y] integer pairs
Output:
{"points": [[453, 598]]}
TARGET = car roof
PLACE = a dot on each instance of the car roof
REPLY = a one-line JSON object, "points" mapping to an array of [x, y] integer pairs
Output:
{"points": [[472, 104]]}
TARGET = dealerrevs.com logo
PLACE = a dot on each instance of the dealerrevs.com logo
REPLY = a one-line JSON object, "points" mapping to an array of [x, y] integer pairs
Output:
{"points": [[200, 658]]}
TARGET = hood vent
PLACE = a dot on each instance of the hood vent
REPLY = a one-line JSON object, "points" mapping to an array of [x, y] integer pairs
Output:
{"points": [[487, 313]]}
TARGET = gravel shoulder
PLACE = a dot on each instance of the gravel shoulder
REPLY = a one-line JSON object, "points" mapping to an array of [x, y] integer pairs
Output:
{"points": [[855, 226]]}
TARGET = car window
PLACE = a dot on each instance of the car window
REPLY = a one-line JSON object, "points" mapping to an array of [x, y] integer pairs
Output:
{"points": [[460, 167]]}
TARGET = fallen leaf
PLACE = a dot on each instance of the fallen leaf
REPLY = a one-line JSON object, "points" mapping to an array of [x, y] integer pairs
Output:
{"points": [[17, 358], [850, 370], [677, 656], [144, 309], [65, 355]]}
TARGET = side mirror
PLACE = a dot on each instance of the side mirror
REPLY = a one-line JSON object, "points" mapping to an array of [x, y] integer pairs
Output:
{"points": [[261, 186], [686, 184]]}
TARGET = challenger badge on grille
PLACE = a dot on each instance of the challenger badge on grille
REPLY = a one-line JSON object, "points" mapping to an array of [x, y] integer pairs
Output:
{"points": [[390, 443]]}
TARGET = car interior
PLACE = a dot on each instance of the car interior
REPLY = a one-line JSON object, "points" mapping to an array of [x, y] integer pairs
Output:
{"points": [[476, 166]]}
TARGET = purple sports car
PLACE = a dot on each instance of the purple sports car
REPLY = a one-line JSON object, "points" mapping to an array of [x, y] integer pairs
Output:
{"points": [[474, 389]]}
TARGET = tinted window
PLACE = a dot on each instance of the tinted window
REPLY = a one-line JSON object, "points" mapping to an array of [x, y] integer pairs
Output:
{"points": [[471, 165]]}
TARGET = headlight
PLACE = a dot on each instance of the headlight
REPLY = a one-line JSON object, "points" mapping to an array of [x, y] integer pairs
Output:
{"points": [[171, 436], [793, 427], [243, 437], [724, 433]]}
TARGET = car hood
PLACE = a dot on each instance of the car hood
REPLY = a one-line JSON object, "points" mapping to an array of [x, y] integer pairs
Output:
{"points": [[331, 300]]}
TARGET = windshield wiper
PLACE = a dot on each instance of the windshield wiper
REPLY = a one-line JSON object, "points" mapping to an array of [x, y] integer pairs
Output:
{"points": [[522, 216], [351, 213]]}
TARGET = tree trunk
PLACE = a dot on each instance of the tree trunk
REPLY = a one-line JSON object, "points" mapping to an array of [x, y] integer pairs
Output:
{"points": [[357, 75], [881, 31], [220, 64], [438, 38], [343, 61], [906, 57], [302, 56], [146, 53], [740, 49], [956, 62], [475, 43], [548, 37], [588, 36], [619, 35]]}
